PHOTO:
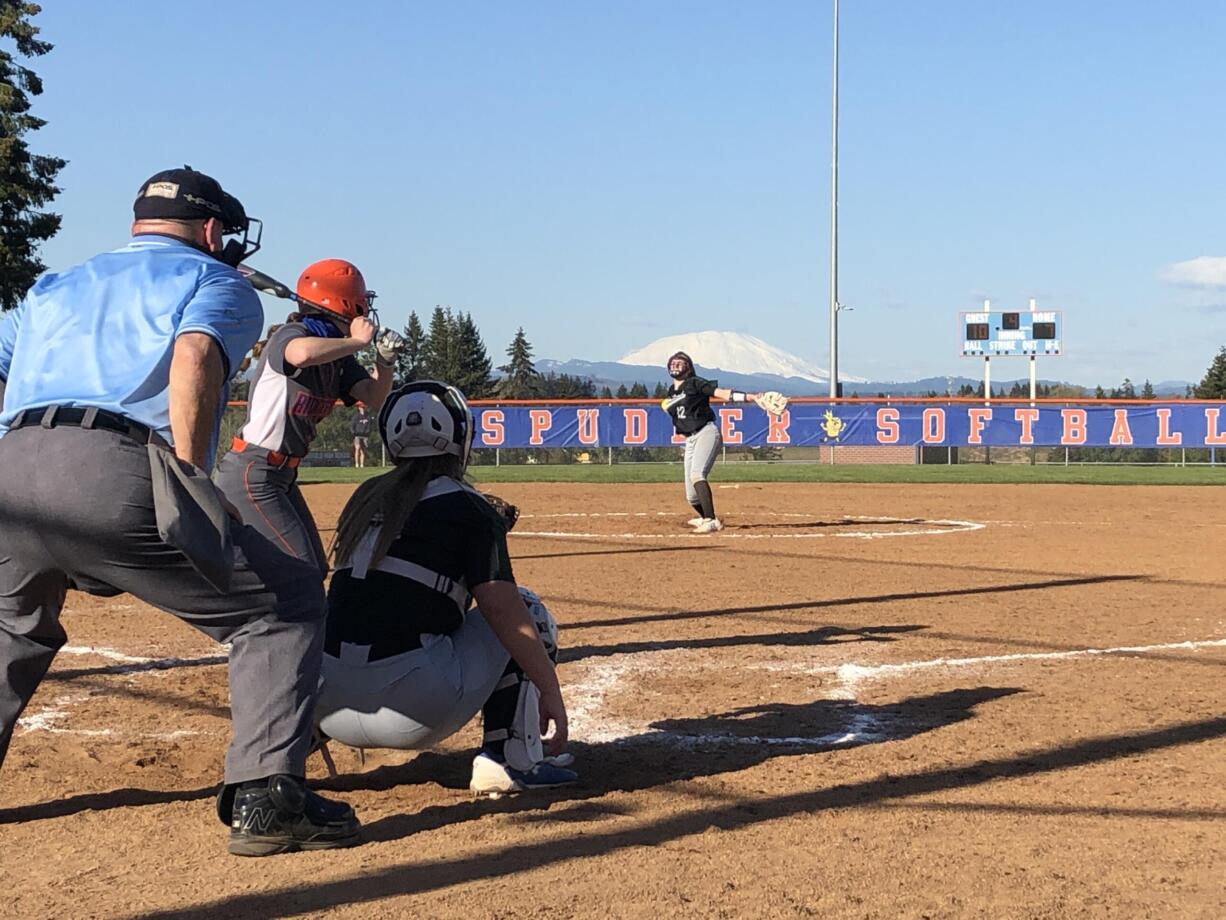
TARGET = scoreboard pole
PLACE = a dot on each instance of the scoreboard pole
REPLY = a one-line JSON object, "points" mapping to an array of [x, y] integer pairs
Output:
{"points": [[1033, 363], [987, 365]]}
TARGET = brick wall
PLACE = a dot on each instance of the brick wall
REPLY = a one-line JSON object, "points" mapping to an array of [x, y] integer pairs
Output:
{"points": [[849, 454]]}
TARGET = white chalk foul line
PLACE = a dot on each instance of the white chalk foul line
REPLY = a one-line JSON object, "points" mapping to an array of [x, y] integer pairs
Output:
{"points": [[109, 654], [48, 718], [605, 677], [852, 674], [930, 528], [132, 664]]}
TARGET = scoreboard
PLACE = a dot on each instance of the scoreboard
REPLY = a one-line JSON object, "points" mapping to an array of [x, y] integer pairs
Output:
{"points": [[1017, 333]]}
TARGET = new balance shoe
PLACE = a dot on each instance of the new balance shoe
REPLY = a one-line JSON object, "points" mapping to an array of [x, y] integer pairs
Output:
{"points": [[280, 815], [495, 779], [709, 525]]}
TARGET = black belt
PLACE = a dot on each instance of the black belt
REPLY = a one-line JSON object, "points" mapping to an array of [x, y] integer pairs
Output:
{"points": [[76, 417], [383, 647]]}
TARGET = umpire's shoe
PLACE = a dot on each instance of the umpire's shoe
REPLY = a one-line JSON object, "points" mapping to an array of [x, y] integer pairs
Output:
{"points": [[280, 815]]}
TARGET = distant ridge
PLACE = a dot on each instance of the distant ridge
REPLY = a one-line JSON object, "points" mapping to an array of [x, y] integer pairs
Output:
{"points": [[745, 362]]}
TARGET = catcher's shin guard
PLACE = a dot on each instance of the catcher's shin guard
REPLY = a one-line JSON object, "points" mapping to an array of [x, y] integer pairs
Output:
{"points": [[521, 740]]}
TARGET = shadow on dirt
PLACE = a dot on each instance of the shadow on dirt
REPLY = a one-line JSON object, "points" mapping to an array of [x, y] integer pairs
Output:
{"points": [[730, 741], [606, 769], [825, 603], [621, 552], [822, 635], [837, 524]]}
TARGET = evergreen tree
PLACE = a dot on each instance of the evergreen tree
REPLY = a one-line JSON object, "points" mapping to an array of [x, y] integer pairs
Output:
{"points": [[638, 391], [522, 380], [564, 386], [1213, 384], [606, 393], [622, 392], [408, 364], [1147, 391], [441, 360], [1099, 393], [474, 376], [27, 181], [1126, 390], [660, 392]]}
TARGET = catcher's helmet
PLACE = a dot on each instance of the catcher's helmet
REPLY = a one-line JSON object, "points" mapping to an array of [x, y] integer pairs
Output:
{"points": [[335, 286], [546, 625], [684, 366], [426, 418]]}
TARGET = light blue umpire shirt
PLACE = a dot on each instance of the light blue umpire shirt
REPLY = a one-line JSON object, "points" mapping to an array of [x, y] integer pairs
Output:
{"points": [[102, 334]]}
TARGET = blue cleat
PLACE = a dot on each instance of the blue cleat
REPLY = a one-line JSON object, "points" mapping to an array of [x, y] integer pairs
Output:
{"points": [[497, 779]]}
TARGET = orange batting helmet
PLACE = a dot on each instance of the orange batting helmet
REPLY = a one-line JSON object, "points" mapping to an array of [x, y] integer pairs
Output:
{"points": [[335, 286]]}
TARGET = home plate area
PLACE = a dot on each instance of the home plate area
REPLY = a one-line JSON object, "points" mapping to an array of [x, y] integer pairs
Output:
{"points": [[855, 701]]}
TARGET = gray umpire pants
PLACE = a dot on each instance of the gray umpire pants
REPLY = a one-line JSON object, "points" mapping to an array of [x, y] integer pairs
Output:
{"points": [[76, 510], [414, 700], [701, 449], [269, 500]]}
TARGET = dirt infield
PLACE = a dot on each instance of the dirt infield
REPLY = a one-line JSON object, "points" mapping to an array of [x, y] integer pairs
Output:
{"points": [[856, 701]]}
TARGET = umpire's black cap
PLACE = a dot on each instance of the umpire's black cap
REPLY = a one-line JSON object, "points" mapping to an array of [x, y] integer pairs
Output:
{"points": [[185, 194]]}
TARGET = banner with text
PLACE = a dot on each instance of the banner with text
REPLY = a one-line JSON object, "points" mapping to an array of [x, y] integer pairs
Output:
{"points": [[813, 424]]}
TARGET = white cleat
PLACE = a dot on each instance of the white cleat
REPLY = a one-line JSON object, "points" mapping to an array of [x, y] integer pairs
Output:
{"points": [[494, 779], [710, 525], [694, 522]]}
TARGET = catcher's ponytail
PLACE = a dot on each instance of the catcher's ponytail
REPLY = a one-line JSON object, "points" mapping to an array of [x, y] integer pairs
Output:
{"points": [[387, 501]]}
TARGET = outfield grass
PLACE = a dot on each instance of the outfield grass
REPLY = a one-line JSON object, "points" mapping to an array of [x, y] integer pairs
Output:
{"points": [[806, 472]]}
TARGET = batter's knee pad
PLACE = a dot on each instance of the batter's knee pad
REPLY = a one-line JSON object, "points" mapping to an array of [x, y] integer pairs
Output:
{"points": [[546, 625]]}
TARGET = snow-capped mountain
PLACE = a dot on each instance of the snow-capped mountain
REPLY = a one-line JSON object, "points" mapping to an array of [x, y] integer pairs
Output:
{"points": [[733, 352]]}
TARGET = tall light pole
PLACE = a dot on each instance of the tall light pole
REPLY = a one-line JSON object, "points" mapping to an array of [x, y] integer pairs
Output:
{"points": [[834, 218]]}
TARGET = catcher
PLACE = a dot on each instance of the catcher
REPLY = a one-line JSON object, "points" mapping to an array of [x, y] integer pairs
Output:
{"points": [[303, 368], [689, 405], [408, 660]]}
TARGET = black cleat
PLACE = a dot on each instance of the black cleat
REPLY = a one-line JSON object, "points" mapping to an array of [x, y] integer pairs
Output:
{"points": [[280, 815]]}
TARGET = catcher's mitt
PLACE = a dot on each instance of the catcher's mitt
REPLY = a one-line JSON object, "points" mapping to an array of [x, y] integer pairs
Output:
{"points": [[773, 402], [508, 512]]}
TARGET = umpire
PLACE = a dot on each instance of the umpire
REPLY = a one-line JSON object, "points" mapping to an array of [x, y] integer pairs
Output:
{"points": [[116, 376]]}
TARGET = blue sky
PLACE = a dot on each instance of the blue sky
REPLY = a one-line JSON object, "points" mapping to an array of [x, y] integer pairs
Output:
{"points": [[604, 174]]}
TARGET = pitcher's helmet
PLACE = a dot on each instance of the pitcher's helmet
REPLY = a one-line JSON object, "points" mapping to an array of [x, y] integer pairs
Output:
{"points": [[335, 286], [426, 418], [680, 365]]}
